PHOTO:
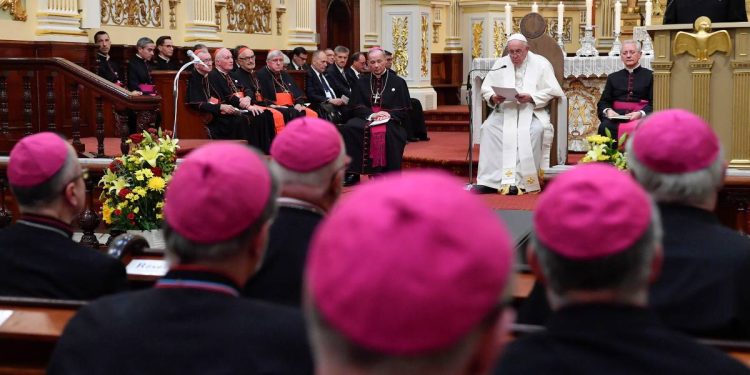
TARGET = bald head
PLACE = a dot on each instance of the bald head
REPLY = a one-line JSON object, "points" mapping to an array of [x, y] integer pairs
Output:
{"points": [[376, 61], [224, 61]]}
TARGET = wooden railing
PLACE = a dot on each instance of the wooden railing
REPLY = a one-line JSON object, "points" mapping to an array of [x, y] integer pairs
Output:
{"points": [[39, 94]]}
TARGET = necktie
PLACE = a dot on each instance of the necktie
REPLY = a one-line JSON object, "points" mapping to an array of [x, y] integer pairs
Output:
{"points": [[327, 88]]}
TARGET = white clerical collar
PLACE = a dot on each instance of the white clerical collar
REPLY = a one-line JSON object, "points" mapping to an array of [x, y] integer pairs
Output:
{"points": [[631, 70], [103, 55], [164, 58]]}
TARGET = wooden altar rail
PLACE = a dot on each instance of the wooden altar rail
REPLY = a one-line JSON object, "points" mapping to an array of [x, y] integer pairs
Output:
{"points": [[39, 94]]}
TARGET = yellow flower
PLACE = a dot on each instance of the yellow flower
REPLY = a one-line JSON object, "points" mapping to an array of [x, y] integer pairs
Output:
{"points": [[118, 185], [122, 205], [140, 190], [156, 183], [150, 154], [159, 216], [132, 197], [135, 210], [597, 139], [107, 212], [160, 205]]}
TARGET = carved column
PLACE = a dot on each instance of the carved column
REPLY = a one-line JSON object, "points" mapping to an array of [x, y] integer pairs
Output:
{"points": [[301, 20], [740, 153], [59, 20], [701, 74], [453, 29], [662, 77], [370, 15], [406, 32], [201, 22]]}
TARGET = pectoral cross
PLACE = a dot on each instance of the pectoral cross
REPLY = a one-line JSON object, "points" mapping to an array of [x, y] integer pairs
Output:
{"points": [[376, 98]]}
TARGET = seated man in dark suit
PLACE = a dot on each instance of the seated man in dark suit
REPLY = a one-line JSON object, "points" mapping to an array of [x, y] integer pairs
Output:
{"points": [[37, 256], [628, 92], [165, 58], [323, 98], [299, 59], [596, 273], [337, 71], [358, 66], [106, 67], [218, 208], [704, 287], [278, 87], [396, 285], [309, 158], [377, 96]]}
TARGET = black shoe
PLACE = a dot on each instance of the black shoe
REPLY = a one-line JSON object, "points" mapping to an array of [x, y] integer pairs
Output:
{"points": [[481, 189], [424, 138], [413, 139], [351, 179], [513, 190]]}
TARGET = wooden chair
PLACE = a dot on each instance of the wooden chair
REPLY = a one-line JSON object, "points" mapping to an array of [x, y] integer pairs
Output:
{"points": [[534, 28]]}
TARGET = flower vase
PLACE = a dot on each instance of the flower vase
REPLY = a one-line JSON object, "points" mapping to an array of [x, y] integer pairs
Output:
{"points": [[154, 237]]}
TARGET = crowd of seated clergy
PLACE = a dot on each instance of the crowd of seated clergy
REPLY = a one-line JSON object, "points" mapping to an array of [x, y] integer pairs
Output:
{"points": [[279, 276], [256, 277]]}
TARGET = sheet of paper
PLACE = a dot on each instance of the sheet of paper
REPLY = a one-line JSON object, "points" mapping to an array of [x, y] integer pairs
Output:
{"points": [[379, 122], [345, 99], [619, 117], [147, 267], [509, 93], [4, 315]]}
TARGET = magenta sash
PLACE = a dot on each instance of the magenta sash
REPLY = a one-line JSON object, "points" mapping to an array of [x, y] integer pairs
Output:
{"points": [[377, 142], [147, 89], [629, 106]]}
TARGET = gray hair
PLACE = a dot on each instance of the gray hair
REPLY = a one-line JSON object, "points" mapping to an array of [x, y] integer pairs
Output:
{"points": [[318, 179], [273, 54], [626, 272], [188, 251], [693, 188], [330, 345], [633, 42], [143, 42], [34, 197], [319, 52], [341, 49]]}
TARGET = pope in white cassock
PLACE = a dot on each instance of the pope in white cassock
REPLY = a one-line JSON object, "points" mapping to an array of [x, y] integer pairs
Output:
{"points": [[517, 136]]}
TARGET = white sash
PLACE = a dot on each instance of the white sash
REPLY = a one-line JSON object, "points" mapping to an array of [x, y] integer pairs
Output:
{"points": [[517, 144]]}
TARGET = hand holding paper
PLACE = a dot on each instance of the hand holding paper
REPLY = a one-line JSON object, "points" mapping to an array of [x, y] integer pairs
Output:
{"points": [[509, 93]]}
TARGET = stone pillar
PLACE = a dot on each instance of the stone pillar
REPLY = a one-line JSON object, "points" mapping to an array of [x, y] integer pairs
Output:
{"points": [[59, 20], [701, 73], [369, 13], [453, 28], [406, 32], [200, 25], [301, 21], [483, 27]]}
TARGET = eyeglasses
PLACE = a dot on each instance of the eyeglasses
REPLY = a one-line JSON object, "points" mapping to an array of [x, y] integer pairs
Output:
{"points": [[84, 175], [246, 58], [206, 61]]}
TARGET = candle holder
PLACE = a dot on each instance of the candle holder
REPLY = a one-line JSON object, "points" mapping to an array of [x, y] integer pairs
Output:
{"points": [[616, 45], [587, 44], [641, 35]]}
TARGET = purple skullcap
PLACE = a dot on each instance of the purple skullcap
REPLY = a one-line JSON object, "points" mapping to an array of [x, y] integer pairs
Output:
{"points": [[408, 264], [36, 158], [592, 211], [217, 192], [306, 144], [675, 141]]}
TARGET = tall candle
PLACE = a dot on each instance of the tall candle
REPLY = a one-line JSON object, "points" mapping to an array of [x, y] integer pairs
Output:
{"points": [[508, 19], [560, 12], [618, 13], [534, 8], [589, 5], [649, 10]]}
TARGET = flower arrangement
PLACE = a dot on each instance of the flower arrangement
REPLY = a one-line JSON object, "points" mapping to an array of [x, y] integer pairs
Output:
{"points": [[604, 149], [133, 185]]}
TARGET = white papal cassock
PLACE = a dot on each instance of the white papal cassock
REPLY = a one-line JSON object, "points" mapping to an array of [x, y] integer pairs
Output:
{"points": [[517, 137]]}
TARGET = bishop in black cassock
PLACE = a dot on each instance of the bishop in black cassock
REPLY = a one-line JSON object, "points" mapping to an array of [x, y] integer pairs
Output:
{"points": [[628, 86], [259, 129], [372, 93], [249, 81], [273, 82]]}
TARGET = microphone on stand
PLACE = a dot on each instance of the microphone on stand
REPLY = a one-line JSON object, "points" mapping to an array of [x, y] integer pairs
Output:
{"points": [[470, 153], [195, 58], [175, 92]]}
